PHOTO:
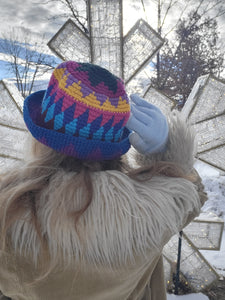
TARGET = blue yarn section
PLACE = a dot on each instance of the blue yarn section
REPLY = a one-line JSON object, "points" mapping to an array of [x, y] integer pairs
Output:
{"points": [[109, 135], [85, 131], [69, 113], [66, 143], [45, 104], [107, 126], [118, 135], [95, 124], [97, 74], [82, 120], [71, 127], [98, 134], [50, 113], [58, 122], [48, 91], [118, 127], [58, 106]]}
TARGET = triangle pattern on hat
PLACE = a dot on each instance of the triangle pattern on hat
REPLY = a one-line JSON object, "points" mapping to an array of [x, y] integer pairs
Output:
{"points": [[50, 113], [80, 109], [58, 122], [45, 104], [67, 102], [54, 87], [96, 124], [58, 96], [98, 134], [118, 118], [94, 114], [82, 120], [49, 91], [107, 127], [85, 131], [118, 126], [118, 135], [69, 114], [109, 135], [71, 127], [58, 106], [105, 118]]}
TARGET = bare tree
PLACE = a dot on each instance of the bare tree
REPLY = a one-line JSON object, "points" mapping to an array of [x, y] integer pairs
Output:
{"points": [[193, 53], [205, 9], [73, 9], [26, 60]]}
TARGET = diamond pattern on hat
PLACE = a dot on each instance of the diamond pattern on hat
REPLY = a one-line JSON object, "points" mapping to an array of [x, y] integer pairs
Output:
{"points": [[85, 131], [98, 134], [95, 124], [69, 114], [71, 127], [83, 112], [58, 122], [108, 126], [82, 120], [67, 102], [58, 105], [50, 113], [45, 104], [117, 131], [109, 135], [79, 110], [49, 90], [118, 135]]}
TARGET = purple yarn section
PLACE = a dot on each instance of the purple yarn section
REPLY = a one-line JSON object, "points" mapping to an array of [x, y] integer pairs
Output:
{"points": [[85, 90], [102, 92]]}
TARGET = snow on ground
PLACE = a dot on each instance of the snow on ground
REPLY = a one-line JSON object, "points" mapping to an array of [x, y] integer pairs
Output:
{"points": [[214, 182], [215, 187], [198, 296]]}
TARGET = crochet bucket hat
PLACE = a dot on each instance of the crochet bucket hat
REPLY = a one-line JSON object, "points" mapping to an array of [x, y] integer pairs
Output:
{"points": [[82, 113]]}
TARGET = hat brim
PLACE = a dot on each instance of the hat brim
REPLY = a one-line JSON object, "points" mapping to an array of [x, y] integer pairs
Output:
{"points": [[79, 147]]}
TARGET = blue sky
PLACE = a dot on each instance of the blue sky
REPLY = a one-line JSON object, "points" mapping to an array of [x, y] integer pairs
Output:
{"points": [[35, 15], [29, 14]]}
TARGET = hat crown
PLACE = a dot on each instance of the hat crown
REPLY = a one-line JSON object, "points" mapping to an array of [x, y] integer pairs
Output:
{"points": [[82, 113], [85, 100]]}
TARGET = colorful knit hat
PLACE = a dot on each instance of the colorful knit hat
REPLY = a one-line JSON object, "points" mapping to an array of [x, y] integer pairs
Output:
{"points": [[82, 113]]}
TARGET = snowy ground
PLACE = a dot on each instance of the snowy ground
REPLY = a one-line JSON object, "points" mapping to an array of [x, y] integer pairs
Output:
{"points": [[214, 183], [188, 297], [215, 188]]}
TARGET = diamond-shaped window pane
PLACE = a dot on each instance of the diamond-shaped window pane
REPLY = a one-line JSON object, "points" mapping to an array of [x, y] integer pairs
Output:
{"points": [[194, 267], [10, 106], [140, 45], [207, 99], [70, 43], [205, 231], [205, 109], [160, 100], [210, 133]]}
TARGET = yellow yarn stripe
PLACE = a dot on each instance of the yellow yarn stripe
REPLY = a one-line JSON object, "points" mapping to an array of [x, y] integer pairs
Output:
{"points": [[74, 91]]}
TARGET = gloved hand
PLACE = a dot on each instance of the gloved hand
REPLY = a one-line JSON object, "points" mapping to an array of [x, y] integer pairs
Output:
{"points": [[149, 125]]}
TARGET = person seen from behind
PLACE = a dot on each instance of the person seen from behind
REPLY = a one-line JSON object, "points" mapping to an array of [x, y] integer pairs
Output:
{"points": [[82, 218]]}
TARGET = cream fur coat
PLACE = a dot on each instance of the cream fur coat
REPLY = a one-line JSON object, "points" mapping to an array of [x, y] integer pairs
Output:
{"points": [[118, 254]]}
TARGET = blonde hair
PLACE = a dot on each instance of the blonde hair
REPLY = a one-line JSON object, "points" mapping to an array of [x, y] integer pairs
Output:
{"points": [[51, 174]]}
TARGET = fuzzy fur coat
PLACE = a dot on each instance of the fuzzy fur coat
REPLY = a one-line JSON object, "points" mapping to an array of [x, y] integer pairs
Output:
{"points": [[119, 255]]}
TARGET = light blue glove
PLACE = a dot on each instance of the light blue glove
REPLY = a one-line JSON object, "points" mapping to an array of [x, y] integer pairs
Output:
{"points": [[149, 125]]}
